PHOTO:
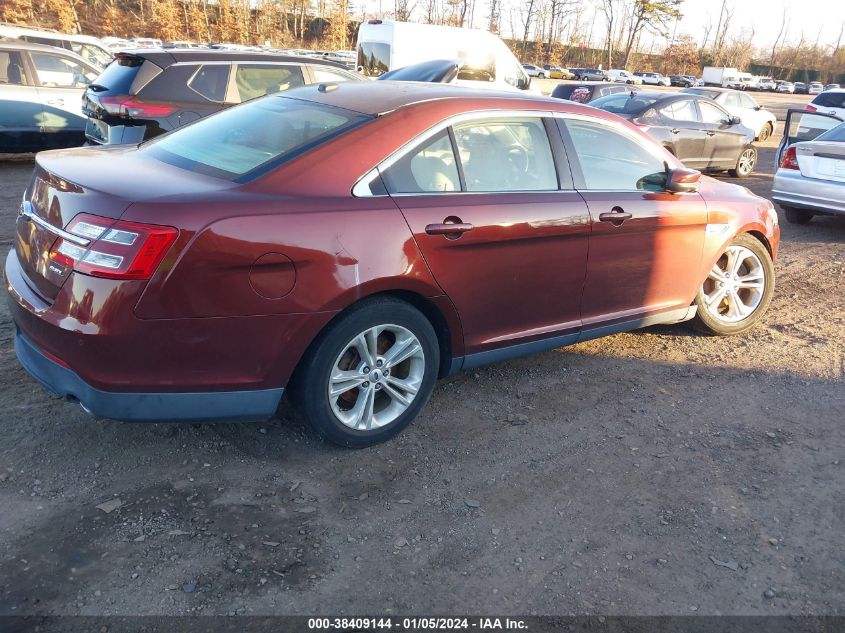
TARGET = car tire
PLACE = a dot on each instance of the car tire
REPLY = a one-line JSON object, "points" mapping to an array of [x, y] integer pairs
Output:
{"points": [[745, 162], [797, 216], [359, 343], [541, 75], [733, 311], [766, 132]]}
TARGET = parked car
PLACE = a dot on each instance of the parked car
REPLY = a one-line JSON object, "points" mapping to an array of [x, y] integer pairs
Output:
{"points": [[683, 81], [91, 49], [556, 72], [41, 91], [767, 83], [810, 179], [695, 129], [829, 102], [148, 92], [589, 74], [785, 86], [625, 77], [800, 88], [203, 274], [815, 88], [534, 71], [831, 87], [654, 79], [753, 115], [586, 91]]}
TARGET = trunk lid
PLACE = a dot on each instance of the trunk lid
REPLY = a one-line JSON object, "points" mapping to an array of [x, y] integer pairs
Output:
{"points": [[98, 181], [823, 160]]}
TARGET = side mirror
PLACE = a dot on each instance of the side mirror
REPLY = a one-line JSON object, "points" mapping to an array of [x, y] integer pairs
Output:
{"points": [[758, 108], [682, 180], [735, 120], [524, 83]]}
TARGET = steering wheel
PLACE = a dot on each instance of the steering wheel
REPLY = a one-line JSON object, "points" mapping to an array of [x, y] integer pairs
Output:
{"points": [[518, 158]]}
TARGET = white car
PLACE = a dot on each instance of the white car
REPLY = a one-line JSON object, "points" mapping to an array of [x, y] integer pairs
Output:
{"points": [[815, 88], [744, 106], [829, 102], [654, 79], [89, 48], [625, 77], [534, 71], [785, 86], [766, 83]]}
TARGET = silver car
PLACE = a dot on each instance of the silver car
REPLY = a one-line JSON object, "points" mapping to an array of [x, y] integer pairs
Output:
{"points": [[810, 179], [41, 91]]}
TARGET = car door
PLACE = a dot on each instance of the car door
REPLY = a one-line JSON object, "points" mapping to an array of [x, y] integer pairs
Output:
{"points": [[725, 139], [801, 125], [20, 109], [61, 83], [501, 228], [645, 243], [688, 138]]}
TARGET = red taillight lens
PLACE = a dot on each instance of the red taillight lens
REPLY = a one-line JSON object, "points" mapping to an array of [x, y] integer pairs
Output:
{"points": [[124, 105], [116, 249], [789, 160], [810, 108]]}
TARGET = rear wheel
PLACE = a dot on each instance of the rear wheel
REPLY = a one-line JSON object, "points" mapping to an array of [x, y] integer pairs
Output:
{"points": [[745, 163], [738, 289], [797, 216], [369, 374]]}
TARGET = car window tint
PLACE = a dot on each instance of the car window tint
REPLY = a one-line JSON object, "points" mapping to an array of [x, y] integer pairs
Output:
{"points": [[211, 81], [680, 111], [512, 155], [60, 72], [324, 73], [611, 160], [428, 168], [257, 80], [711, 113], [11, 69]]}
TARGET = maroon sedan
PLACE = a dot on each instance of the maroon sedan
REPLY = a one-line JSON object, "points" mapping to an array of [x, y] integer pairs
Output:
{"points": [[349, 244]]}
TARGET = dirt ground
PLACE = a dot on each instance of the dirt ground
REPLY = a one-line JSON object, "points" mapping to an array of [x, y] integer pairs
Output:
{"points": [[658, 472]]}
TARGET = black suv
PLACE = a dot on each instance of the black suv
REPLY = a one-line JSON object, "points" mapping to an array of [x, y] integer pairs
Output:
{"points": [[148, 92]]}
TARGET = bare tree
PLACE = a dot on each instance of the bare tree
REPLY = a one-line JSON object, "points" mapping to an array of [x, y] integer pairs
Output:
{"points": [[654, 16], [781, 34]]}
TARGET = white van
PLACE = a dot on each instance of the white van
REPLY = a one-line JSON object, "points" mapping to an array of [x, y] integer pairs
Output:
{"points": [[625, 77], [487, 62], [87, 47]]}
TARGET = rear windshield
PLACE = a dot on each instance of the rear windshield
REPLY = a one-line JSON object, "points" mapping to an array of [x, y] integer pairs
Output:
{"points": [[624, 103], [119, 75], [581, 94], [830, 100], [837, 134], [242, 141]]}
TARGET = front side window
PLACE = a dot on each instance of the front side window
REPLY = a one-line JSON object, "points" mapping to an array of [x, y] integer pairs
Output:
{"points": [[732, 101], [258, 80], [512, 155], [747, 102], [612, 161], [477, 66], [92, 54], [373, 58], [210, 81], [711, 113], [429, 168], [60, 72], [263, 133]]}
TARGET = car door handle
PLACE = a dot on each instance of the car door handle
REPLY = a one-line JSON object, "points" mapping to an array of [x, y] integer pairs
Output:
{"points": [[711, 133], [616, 217], [449, 229], [56, 102], [675, 130]]}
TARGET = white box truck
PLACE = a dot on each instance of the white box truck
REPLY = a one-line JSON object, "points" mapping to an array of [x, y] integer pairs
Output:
{"points": [[485, 60], [719, 76]]}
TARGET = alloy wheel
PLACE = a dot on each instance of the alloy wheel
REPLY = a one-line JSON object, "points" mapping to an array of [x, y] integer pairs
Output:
{"points": [[376, 377], [747, 160], [735, 286]]}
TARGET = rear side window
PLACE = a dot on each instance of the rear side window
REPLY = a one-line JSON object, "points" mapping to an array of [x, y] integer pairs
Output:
{"points": [[830, 100], [836, 134], [211, 81], [239, 142], [258, 80], [680, 111], [373, 58], [430, 168], [11, 69]]}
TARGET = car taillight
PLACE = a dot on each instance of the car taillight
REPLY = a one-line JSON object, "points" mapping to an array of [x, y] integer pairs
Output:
{"points": [[789, 159], [810, 108], [126, 106], [113, 249]]}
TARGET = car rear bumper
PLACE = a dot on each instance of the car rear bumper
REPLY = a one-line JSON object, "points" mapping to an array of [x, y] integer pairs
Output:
{"points": [[144, 407], [791, 189]]}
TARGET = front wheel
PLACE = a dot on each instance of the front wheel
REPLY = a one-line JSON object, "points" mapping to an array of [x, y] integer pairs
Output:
{"points": [[745, 163], [766, 132], [541, 76], [369, 373], [738, 289]]}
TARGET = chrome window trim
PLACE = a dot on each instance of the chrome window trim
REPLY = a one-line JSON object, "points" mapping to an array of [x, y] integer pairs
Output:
{"points": [[361, 189]]}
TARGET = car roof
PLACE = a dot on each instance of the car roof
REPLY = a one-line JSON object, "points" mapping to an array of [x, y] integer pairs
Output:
{"points": [[381, 97], [164, 57]]}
